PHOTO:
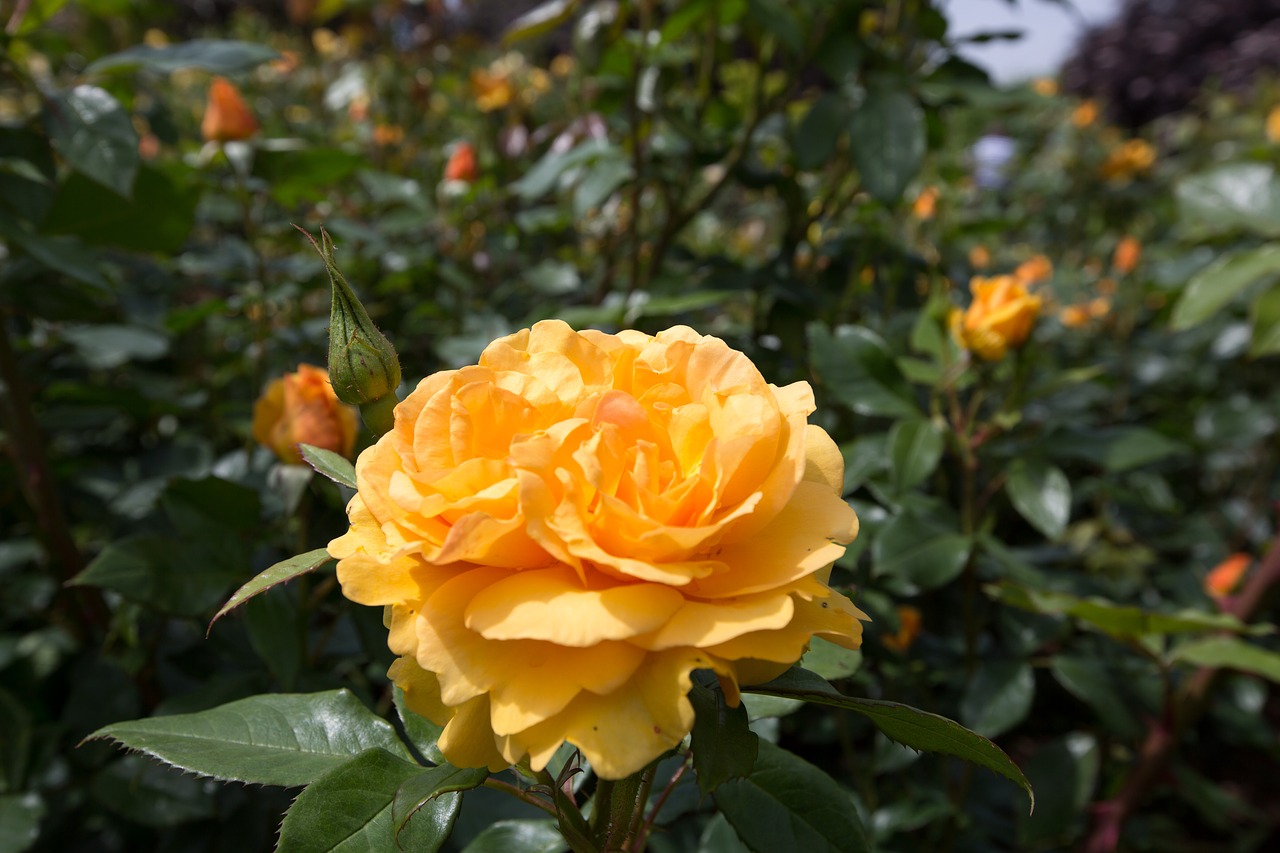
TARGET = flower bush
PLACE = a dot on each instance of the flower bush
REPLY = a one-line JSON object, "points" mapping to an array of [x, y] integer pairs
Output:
{"points": [[568, 529]]}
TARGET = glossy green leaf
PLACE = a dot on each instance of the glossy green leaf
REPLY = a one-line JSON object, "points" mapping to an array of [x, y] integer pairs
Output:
{"points": [[272, 739], [862, 458], [419, 793], [20, 816], [857, 368], [1222, 281], [281, 572], [918, 552], [1266, 324], [998, 697], [902, 723], [423, 734], [1232, 197], [106, 346], [329, 464], [66, 255], [219, 56], [819, 131], [349, 809], [539, 20], [829, 660], [157, 218], [788, 804], [159, 571], [1119, 619], [306, 175], [887, 135], [519, 836], [94, 135], [1041, 494], [915, 448], [1116, 448], [1230, 653], [724, 747]]}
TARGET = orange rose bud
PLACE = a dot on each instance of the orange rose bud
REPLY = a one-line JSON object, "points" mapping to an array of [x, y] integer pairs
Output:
{"points": [[1099, 307], [1000, 317], [909, 624], [1128, 253], [227, 117], [979, 257], [301, 408], [1224, 578], [1074, 316], [1037, 268], [925, 204], [462, 164]]}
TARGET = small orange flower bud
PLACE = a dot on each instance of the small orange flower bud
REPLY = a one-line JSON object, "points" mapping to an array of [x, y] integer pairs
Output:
{"points": [[1085, 114], [1099, 307], [1224, 578], [387, 134], [226, 117], [1074, 316], [910, 623], [301, 408], [1128, 253], [462, 164], [1038, 268], [925, 204], [979, 257]]}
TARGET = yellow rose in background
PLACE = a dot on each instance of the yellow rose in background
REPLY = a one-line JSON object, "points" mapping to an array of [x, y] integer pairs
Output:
{"points": [[565, 531], [1125, 161], [301, 408], [1000, 316], [1273, 125], [926, 204], [492, 91]]}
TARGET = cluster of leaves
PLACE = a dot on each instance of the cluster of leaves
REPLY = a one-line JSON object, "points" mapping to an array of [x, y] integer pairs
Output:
{"points": [[744, 166]]}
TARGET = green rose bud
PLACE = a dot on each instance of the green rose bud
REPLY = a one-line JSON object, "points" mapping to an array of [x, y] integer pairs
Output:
{"points": [[363, 366]]}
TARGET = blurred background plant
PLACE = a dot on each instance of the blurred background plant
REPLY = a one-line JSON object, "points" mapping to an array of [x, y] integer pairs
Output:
{"points": [[817, 183]]}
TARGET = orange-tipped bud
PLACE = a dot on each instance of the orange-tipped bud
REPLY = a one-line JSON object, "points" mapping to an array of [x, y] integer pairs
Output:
{"points": [[226, 117]]}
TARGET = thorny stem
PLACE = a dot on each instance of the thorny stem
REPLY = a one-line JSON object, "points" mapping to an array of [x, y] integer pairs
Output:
{"points": [[642, 835], [1109, 816], [521, 794], [38, 487]]}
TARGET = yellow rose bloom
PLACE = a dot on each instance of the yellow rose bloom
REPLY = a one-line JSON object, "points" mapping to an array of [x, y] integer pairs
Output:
{"points": [[1001, 316], [301, 408], [563, 532]]}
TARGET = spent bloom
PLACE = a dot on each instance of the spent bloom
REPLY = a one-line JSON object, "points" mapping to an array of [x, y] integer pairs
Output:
{"points": [[563, 532], [301, 408], [1000, 317], [226, 116]]}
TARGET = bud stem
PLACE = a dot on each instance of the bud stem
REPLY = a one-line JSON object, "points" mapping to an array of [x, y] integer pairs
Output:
{"points": [[379, 415]]}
